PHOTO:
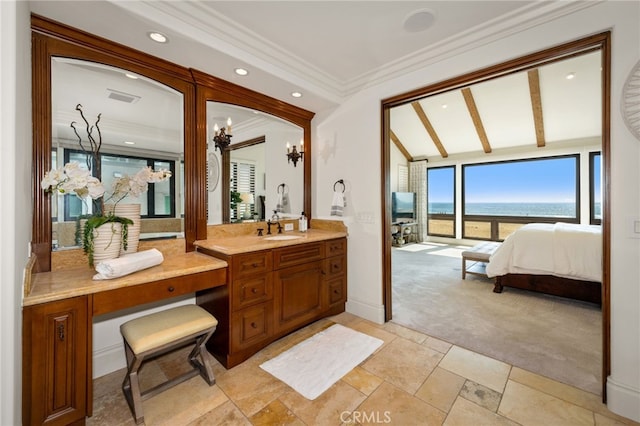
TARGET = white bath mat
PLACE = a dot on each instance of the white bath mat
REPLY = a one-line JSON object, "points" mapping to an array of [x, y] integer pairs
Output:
{"points": [[312, 366]]}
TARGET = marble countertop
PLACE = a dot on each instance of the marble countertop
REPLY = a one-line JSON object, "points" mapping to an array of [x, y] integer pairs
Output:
{"points": [[247, 243], [77, 281]]}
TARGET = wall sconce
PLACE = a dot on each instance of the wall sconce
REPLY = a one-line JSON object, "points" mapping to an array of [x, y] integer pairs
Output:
{"points": [[222, 137], [293, 154]]}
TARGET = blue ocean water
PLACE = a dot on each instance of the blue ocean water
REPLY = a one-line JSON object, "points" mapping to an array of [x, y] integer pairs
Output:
{"points": [[513, 209]]}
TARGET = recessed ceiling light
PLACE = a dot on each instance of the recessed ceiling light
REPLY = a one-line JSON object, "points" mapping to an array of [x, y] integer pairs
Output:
{"points": [[571, 76], [296, 94], [129, 143], [419, 20], [131, 76], [158, 37], [241, 71], [444, 106]]}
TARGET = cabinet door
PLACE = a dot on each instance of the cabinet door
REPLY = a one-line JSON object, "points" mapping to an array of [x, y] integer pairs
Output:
{"points": [[251, 326], [298, 295], [55, 362]]}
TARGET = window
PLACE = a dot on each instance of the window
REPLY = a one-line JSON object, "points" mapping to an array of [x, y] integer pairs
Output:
{"points": [[595, 184], [158, 201], [441, 195], [74, 207], [243, 181], [544, 187]]}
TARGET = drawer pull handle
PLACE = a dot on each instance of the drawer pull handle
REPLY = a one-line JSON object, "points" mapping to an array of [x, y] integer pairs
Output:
{"points": [[171, 289], [336, 292], [254, 290], [254, 265], [254, 325], [61, 332]]}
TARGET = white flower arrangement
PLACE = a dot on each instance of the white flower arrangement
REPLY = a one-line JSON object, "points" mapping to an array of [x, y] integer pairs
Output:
{"points": [[72, 179]]}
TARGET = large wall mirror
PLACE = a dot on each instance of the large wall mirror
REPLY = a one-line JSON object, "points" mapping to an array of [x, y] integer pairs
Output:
{"points": [[252, 177], [253, 170], [141, 125], [142, 100]]}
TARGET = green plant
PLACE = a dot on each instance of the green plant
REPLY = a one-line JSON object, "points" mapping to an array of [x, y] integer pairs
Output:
{"points": [[94, 222]]}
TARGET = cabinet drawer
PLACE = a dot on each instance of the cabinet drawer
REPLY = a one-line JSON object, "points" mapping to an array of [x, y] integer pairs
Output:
{"points": [[336, 265], [296, 255], [251, 326], [125, 297], [337, 290], [245, 265], [336, 247], [249, 291]]}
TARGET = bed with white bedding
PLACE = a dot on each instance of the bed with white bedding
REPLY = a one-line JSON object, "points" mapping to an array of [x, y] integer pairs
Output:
{"points": [[562, 259]]}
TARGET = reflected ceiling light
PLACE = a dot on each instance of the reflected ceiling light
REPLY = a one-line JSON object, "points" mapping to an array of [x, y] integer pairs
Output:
{"points": [[296, 94], [241, 71], [129, 143], [131, 76], [158, 37], [419, 20], [570, 76]]}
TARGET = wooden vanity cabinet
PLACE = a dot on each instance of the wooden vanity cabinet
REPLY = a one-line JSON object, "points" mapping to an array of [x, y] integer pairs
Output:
{"points": [[272, 293], [55, 345]]}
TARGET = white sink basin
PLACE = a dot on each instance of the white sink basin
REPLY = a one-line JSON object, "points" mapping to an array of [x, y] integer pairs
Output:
{"points": [[283, 237]]}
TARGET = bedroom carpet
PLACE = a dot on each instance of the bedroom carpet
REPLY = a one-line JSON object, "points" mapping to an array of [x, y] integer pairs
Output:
{"points": [[552, 336]]}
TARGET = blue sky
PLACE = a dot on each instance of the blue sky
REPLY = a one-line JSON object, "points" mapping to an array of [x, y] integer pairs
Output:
{"points": [[549, 180]]}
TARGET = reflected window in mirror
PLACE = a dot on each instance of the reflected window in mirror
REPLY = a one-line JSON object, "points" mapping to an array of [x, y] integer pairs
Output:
{"points": [[141, 125]]}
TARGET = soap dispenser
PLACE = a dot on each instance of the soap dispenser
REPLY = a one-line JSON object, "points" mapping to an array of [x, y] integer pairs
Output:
{"points": [[302, 223]]}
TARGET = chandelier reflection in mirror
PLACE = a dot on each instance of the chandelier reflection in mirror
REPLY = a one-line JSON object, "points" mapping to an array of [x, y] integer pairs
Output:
{"points": [[293, 154], [222, 137]]}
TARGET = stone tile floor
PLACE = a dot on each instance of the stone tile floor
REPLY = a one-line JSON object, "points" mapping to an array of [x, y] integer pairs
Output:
{"points": [[412, 379]]}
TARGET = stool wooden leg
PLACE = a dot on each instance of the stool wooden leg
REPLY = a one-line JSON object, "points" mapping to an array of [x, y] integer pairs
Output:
{"points": [[464, 268]]}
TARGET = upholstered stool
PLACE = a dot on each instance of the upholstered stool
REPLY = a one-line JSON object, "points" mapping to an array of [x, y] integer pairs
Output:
{"points": [[157, 333], [480, 253]]}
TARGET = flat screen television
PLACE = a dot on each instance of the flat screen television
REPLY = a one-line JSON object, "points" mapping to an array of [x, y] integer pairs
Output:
{"points": [[403, 206]]}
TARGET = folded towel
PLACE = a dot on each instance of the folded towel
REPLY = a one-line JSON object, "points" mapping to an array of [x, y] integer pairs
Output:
{"points": [[280, 203], [127, 264], [337, 204]]}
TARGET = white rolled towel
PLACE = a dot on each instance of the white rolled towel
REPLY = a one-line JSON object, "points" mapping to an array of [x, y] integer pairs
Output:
{"points": [[128, 264]]}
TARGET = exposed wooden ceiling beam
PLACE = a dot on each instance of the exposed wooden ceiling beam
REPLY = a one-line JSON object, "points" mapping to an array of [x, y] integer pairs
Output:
{"points": [[427, 125], [477, 121], [536, 104], [398, 144]]}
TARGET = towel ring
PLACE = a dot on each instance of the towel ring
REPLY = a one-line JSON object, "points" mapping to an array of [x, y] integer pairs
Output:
{"points": [[283, 186], [341, 182]]}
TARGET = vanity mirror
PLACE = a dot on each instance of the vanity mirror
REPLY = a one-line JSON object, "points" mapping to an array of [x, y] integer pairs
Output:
{"points": [[254, 169], [154, 110], [259, 124]]}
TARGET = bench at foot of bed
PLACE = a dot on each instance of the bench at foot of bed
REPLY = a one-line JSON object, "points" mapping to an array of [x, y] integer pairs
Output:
{"points": [[588, 291]]}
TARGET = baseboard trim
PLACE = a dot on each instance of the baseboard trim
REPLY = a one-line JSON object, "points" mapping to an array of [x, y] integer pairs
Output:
{"points": [[366, 311], [107, 360], [623, 400]]}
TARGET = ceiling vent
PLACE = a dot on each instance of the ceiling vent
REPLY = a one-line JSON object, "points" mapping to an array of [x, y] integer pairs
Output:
{"points": [[122, 96]]}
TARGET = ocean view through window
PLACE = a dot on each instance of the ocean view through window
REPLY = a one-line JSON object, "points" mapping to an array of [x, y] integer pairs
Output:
{"points": [[542, 187]]}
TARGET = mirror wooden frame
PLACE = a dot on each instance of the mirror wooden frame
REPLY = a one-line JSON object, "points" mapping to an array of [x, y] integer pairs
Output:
{"points": [[49, 39], [209, 88]]}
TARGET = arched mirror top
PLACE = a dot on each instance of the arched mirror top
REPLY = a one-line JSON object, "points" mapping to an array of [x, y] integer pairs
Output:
{"points": [[58, 50]]}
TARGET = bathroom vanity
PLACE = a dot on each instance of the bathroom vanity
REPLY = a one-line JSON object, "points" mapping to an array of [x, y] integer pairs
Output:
{"points": [[276, 284]]}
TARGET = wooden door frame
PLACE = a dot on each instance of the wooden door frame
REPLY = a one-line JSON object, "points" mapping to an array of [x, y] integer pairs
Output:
{"points": [[601, 42]]}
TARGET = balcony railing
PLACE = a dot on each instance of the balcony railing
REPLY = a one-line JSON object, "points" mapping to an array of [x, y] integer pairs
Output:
{"points": [[490, 228]]}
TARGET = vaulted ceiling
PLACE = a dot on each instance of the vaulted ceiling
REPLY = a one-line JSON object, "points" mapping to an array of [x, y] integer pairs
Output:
{"points": [[554, 104]]}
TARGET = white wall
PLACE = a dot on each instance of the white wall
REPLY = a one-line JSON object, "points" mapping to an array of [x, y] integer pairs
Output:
{"points": [[347, 145], [15, 189]]}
